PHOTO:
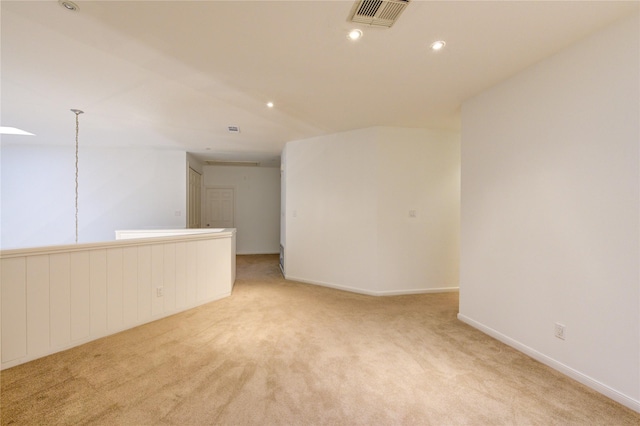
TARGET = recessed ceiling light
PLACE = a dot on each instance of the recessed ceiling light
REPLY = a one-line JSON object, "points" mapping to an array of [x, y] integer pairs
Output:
{"points": [[14, 131], [270, 104], [437, 45], [355, 34], [69, 5]]}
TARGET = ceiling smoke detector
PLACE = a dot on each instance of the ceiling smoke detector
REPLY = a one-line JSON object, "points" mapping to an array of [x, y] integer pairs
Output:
{"points": [[381, 13]]}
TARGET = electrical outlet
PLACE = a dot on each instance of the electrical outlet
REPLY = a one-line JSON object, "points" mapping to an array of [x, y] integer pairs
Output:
{"points": [[159, 291], [560, 331]]}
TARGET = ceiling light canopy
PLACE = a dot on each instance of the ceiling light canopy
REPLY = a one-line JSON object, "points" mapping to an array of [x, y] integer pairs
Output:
{"points": [[437, 45], [355, 34], [69, 5]]}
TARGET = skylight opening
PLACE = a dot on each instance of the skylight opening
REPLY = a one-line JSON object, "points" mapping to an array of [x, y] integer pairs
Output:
{"points": [[14, 131]]}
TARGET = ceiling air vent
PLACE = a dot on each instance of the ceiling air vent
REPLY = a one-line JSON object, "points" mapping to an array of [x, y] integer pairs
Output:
{"points": [[381, 13]]}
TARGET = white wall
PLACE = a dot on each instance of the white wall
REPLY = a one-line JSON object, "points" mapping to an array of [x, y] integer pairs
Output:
{"points": [[348, 198], [418, 170], [331, 210], [119, 188], [257, 205], [550, 211]]}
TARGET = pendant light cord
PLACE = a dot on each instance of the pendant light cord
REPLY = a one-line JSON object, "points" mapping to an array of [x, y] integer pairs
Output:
{"points": [[77, 131], [77, 112]]}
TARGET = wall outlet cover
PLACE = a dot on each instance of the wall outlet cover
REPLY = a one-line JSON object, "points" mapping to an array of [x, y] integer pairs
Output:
{"points": [[560, 331]]}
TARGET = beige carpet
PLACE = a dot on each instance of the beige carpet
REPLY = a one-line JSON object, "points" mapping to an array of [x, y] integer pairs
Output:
{"points": [[279, 352]]}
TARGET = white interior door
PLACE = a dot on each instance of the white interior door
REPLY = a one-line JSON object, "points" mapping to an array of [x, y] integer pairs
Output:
{"points": [[219, 208]]}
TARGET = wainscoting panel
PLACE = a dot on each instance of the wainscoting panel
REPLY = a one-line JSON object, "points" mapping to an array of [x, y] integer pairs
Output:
{"points": [[144, 283], [98, 291], [192, 272], [55, 298], [169, 275], [80, 295], [181, 275], [201, 273], [14, 309], [130, 285], [60, 299], [38, 340], [157, 279], [114, 289]]}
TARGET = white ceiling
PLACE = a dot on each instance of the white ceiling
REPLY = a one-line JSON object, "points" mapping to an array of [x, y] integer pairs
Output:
{"points": [[175, 74]]}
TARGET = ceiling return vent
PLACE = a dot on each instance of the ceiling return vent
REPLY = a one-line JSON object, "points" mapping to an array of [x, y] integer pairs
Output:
{"points": [[381, 13]]}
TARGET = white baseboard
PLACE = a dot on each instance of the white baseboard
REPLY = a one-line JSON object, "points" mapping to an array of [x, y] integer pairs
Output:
{"points": [[418, 291], [250, 253], [556, 365], [371, 292]]}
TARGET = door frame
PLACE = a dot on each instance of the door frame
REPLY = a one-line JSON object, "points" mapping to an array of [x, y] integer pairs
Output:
{"points": [[204, 201], [197, 206]]}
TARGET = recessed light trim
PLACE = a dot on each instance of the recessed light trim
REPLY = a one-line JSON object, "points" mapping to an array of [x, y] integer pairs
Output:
{"points": [[14, 131], [438, 45], [354, 34], [69, 5], [270, 105]]}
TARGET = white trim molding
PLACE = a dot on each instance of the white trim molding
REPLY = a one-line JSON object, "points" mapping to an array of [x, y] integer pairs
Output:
{"points": [[399, 292], [556, 365]]}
